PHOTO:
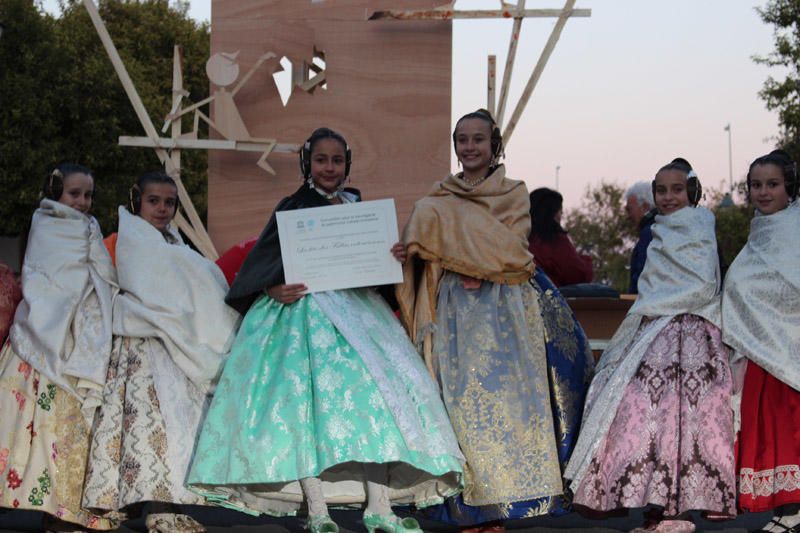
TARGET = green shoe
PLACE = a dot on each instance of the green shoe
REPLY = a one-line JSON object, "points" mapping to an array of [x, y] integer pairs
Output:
{"points": [[390, 524], [321, 524]]}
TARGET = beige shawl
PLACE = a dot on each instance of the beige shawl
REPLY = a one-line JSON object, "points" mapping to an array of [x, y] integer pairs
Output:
{"points": [[479, 231]]}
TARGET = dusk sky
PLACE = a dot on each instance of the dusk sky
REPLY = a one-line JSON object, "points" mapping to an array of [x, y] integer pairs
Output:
{"points": [[625, 91]]}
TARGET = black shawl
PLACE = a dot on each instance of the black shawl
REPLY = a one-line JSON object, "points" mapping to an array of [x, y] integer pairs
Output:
{"points": [[263, 266]]}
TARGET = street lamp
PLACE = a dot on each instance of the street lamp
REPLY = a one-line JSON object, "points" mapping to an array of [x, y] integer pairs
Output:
{"points": [[558, 167], [730, 158]]}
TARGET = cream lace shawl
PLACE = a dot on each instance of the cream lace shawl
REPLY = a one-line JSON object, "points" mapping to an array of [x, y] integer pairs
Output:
{"points": [[761, 299], [62, 326]]}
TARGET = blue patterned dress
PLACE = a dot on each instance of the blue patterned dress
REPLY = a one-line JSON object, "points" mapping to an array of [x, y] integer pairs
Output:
{"points": [[569, 366]]}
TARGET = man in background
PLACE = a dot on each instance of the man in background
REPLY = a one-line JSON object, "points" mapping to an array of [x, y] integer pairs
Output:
{"points": [[640, 210]]}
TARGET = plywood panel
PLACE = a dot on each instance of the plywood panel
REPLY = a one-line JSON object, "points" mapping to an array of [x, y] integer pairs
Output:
{"points": [[388, 92]]}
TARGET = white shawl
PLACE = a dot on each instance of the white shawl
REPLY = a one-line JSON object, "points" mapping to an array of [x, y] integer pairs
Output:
{"points": [[62, 326], [176, 295], [761, 298], [681, 276]]}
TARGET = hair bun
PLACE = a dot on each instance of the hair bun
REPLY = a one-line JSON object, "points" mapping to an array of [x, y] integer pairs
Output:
{"points": [[681, 161], [780, 152]]}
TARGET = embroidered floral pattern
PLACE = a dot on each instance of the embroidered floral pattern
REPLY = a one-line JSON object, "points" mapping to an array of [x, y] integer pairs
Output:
{"points": [[38, 493], [24, 369], [671, 441], [3, 459], [46, 398], [45, 467], [312, 401], [490, 348], [13, 479], [129, 458], [20, 398]]}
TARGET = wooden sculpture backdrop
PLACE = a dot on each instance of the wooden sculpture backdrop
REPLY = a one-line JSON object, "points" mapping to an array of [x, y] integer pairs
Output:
{"points": [[387, 90]]}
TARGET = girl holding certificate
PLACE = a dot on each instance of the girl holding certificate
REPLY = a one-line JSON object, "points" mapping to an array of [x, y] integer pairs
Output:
{"points": [[658, 424], [172, 333], [53, 366], [761, 322], [512, 362], [323, 400]]}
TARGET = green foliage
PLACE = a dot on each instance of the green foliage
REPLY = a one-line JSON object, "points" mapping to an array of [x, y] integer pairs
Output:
{"points": [[733, 228], [733, 222], [28, 134], [62, 99], [599, 228], [783, 95]]}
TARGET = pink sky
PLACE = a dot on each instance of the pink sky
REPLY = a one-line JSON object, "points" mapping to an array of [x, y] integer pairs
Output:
{"points": [[628, 89], [624, 92]]}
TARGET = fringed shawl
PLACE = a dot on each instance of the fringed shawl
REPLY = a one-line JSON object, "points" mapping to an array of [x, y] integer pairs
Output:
{"points": [[479, 231]]}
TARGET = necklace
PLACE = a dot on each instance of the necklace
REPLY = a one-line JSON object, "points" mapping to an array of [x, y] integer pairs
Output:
{"points": [[326, 195], [473, 182]]}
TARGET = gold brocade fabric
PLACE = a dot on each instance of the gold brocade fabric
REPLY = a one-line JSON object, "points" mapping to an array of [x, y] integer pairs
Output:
{"points": [[44, 445], [480, 231], [489, 350]]}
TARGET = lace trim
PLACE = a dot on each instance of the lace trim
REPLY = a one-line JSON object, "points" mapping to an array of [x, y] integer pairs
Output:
{"points": [[769, 482]]}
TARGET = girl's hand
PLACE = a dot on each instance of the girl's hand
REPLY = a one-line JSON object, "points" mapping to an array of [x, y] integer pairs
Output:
{"points": [[399, 252], [470, 283], [287, 294]]}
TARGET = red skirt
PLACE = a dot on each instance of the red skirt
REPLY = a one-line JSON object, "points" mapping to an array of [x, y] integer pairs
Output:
{"points": [[768, 450]]}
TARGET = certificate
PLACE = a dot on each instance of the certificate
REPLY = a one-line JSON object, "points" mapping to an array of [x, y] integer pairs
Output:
{"points": [[340, 246]]}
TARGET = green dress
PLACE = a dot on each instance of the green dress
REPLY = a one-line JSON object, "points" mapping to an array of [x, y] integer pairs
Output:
{"points": [[317, 388]]}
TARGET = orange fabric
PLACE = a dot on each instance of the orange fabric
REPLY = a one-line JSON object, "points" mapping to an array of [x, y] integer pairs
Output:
{"points": [[111, 246]]}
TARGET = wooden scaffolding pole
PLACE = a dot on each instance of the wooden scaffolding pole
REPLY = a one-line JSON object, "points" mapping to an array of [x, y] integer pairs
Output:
{"points": [[537, 71], [194, 228], [510, 58]]}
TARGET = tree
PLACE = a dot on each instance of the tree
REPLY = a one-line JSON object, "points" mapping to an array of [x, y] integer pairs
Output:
{"points": [[69, 105], [29, 59], [783, 95], [599, 228], [732, 222]]}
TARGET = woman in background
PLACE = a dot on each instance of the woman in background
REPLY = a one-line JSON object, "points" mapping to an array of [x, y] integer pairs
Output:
{"points": [[550, 245]]}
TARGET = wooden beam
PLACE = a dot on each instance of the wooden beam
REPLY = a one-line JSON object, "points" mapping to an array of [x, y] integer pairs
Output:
{"points": [[510, 58], [537, 71], [206, 144], [491, 74], [177, 96], [147, 124], [452, 14], [312, 83]]}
